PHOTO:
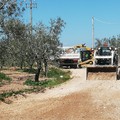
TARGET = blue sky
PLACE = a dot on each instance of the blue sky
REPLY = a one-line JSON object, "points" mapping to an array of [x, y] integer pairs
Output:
{"points": [[78, 17]]}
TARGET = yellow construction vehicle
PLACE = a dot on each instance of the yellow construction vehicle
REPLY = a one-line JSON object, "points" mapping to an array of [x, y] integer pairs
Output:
{"points": [[86, 56]]}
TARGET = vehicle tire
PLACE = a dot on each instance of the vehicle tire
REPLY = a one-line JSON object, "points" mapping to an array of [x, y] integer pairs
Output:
{"points": [[73, 66], [79, 66]]}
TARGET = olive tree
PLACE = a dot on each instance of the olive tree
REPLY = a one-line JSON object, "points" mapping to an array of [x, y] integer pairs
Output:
{"points": [[46, 44], [9, 11], [16, 32]]}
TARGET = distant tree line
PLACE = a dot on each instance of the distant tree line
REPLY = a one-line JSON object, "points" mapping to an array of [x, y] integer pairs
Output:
{"points": [[112, 42], [18, 47]]}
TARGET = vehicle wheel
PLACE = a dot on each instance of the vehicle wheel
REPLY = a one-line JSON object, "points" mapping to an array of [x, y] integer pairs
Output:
{"points": [[75, 66], [91, 62], [79, 66]]}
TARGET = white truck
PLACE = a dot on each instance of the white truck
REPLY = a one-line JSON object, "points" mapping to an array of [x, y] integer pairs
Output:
{"points": [[69, 57]]}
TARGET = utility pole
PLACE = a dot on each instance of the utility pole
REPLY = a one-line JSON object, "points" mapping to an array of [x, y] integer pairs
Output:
{"points": [[93, 39], [117, 41], [31, 16], [31, 5]]}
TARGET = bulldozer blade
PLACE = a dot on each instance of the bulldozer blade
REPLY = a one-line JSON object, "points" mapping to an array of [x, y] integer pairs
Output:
{"points": [[101, 73]]}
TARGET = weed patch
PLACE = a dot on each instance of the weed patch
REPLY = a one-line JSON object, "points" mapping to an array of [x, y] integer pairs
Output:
{"points": [[20, 92], [55, 76], [4, 78]]}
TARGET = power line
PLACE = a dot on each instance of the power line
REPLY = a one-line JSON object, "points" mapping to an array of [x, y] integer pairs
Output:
{"points": [[105, 22]]}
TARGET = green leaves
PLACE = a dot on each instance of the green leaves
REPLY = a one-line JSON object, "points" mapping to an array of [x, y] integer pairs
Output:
{"points": [[11, 8], [4, 79]]}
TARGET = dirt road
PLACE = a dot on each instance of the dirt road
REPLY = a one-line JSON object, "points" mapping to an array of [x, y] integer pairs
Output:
{"points": [[77, 99]]}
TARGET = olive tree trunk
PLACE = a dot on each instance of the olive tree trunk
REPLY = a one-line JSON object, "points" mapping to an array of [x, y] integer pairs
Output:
{"points": [[38, 72], [46, 67]]}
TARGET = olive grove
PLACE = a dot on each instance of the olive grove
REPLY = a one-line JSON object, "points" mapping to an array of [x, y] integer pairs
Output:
{"points": [[19, 47]]}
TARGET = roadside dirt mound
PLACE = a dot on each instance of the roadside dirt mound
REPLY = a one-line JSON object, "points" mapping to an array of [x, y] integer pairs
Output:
{"points": [[101, 76]]}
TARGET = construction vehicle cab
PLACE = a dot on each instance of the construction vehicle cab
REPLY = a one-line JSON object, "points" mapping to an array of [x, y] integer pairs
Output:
{"points": [[104, 51], [105, 56], [86, 57]]}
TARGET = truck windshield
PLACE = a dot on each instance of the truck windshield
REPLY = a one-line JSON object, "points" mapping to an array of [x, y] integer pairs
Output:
{"points": [[105, 51]]}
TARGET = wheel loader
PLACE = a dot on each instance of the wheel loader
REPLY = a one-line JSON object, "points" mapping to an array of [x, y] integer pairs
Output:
{"points": [[105, 64]]}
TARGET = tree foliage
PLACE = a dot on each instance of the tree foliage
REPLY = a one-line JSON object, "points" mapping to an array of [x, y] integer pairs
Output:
{"points": [[24, 49], [112, 42], [10, 9], [46, 43]]}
